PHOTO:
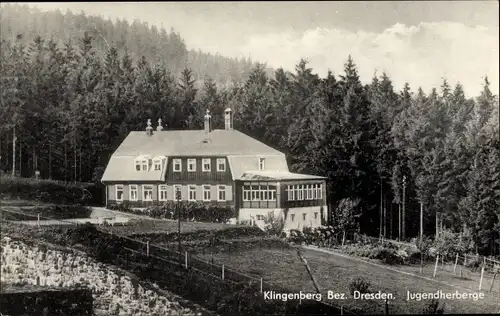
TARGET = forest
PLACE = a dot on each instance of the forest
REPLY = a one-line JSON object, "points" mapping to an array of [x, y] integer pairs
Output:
{"points": [[66, 105]]}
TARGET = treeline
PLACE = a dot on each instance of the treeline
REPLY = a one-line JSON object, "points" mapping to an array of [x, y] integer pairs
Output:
{"points": [[157, 45], [69, 110]]}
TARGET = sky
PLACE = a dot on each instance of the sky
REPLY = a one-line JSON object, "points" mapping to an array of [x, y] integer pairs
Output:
{"points": [[420, 42]]}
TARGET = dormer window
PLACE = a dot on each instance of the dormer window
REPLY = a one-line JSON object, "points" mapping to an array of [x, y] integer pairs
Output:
{"points": [[262, 163], [144, 164], [137, 166], [157, 164]]}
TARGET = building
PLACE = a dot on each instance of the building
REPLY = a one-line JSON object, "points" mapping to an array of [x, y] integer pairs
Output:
{"points": [[223, 167]]}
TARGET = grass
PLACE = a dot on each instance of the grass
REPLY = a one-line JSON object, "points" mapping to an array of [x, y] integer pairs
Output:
{"points": [[283, 267]]}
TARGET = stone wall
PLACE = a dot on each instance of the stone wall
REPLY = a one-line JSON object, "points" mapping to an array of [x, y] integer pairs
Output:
{"points": [[114, 293]]}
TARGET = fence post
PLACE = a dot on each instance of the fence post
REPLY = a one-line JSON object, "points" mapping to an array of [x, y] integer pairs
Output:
{"points": [[455, 266], [493, 282], [442, 262], [341, 309], [186, 259], [481, 280], [38, 219], [262, 289], [222, 272], [436, 266], [147, 248]]}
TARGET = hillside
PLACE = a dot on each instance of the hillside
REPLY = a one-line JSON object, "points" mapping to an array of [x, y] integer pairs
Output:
{"points": [[158, 46]]}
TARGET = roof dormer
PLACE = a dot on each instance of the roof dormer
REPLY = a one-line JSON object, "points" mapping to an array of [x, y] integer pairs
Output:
{"points": [[158, 162], [142, 162]]}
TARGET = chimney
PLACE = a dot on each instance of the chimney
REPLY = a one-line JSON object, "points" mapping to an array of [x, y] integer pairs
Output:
{"points": [[159, 128], [228, 119], [208, 122], [149, 129]]}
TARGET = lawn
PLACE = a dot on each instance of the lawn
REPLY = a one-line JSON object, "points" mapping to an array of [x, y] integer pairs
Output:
{"points": [[284, 268]]}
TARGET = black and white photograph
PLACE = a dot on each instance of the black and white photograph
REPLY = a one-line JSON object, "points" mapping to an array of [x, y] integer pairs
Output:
{"points": [[249, 158]]}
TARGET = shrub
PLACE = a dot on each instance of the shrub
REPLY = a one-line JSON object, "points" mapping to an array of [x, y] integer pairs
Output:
{"points": [[449, 243], [274, 224], [51, 191], [187, 210], [432, 308], [296, 236], [359, 284]]}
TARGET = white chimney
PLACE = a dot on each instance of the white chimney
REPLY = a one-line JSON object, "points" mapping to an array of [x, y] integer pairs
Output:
{"points": [[228, 119], [159, 128], [208, 122], [149, 129]]}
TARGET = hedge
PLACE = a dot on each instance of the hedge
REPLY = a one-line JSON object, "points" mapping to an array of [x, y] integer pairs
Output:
{"points": [[188, 210], [50, 191]]}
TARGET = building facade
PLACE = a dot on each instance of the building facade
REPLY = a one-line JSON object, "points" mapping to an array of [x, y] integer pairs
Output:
{"points": [[221, 167]]}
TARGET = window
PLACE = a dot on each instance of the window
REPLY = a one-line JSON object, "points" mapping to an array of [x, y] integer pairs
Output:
{"points": [[144, 164], [259, 193], [272, 193], [207, 166], [260, 217], [262, 163], [291, 192], [157, 164], [162, 189], [133, 192], [177, 188], [320, 191], [315, 191], [147, 193], [177, 165], [310, 190], [301, 192], [206, 193], [315, 215], [246, 193], [221, 193], [254, 190], [221, 164], [192, 192], [191, 165], [304, 216], [296, 190], [119, 192], [137, 166], [292, 217]]}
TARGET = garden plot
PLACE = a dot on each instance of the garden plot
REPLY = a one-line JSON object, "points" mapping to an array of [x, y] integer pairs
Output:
{"points": [[114, 292]]}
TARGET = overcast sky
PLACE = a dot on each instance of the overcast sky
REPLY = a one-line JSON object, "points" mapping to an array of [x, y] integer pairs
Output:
{"points": [[420, 42]]}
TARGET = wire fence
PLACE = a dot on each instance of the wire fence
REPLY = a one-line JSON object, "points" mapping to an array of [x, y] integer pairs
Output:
{"points": [[475, 272], [173, 258]]}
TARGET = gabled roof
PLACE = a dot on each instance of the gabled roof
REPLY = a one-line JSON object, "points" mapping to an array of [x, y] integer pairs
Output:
{"points": [[276, 175], [192, 143]]}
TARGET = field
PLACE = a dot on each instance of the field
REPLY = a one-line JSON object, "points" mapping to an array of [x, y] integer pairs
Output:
{"points": [[283, 267]]}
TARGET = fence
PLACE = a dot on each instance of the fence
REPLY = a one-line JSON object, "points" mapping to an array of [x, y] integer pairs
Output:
{"points": [[475, 272], [177, 260]]}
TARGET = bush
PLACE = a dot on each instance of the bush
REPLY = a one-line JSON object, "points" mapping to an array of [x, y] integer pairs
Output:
{"points": [[296, 236], [448, 244], [432, 308], [51, 191], [187, 210], [274, 224], [359, 284]]}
